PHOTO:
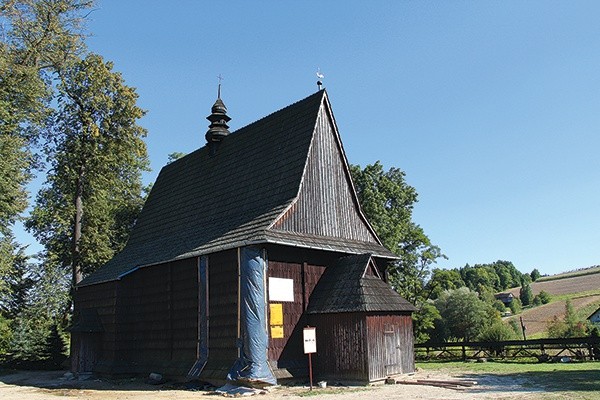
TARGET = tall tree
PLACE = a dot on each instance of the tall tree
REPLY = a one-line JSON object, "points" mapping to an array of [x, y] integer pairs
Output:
{"points": [[16, 277], [38, 38], [387, 200], [464, 314], [526, 294], [93, 190]]}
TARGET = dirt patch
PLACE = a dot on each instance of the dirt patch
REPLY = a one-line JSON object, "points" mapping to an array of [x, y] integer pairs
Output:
{"points": [[536, 319], [558, 287], [32, 385]]}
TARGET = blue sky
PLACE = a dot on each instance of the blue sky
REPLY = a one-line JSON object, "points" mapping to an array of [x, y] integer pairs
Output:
{"points": [[491, 108]]}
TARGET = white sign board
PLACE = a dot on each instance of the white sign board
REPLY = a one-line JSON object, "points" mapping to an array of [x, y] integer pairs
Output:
{"points": [[281, 289], [310, 340]]}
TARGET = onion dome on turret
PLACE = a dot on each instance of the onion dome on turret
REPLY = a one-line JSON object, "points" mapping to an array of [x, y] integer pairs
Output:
{"points": [[218, 118]]}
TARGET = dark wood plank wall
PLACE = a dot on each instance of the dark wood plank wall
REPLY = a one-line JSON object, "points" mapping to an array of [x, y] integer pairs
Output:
{"points": [[341, 346], [288, 352], [326, 205], [102, 298], [157, 316], [292, 315], [222, 314], [184, 313], [390, 345]]}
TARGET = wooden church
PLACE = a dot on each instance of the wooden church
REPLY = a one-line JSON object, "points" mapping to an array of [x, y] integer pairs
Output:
{"points": [[239, 246]]}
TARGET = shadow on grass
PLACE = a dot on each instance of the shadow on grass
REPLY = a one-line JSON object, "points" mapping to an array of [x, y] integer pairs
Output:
{"points": [[546, 381]]}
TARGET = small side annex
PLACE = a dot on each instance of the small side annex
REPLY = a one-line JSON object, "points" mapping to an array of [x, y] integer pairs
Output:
{"points": [[240, 245]]}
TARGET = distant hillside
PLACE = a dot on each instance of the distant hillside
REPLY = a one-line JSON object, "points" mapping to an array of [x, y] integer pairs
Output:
{"points": [[581, 287], [569, 274], [564, 285]]}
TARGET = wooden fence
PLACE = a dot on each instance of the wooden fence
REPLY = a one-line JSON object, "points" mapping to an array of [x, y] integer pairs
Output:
{"points": [[587, 348]]}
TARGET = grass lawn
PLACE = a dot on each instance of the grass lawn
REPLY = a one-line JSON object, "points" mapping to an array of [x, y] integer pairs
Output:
{"points": [[555, 381]]}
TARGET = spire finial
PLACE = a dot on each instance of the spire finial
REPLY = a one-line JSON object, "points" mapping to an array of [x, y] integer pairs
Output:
{"points": [[218, 118], [320, 76], [220, 78]]}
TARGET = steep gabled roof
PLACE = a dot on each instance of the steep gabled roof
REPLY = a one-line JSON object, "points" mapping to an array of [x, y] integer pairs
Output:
{"points": [[210, 201], [350, 286]]}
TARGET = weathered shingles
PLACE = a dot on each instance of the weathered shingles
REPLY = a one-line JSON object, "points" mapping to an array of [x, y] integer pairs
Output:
{"points": [[205, 201], [344, 289]]}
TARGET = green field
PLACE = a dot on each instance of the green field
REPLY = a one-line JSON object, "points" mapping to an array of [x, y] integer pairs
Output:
{"points": [[554, 381]]}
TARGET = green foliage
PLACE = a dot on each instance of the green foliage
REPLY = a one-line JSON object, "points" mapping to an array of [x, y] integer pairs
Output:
{"points": [[442, 280], [567, 327], [175, 156], [424, 322], [387, 201], [535, 275], [497, 332], [97, 156], [15, 165], [54, 349], [515, 306], [5, 337], [464, 315], [35, 314], [38, 39], [17, 278], [526, 294], [29, 340], [516, 327], [497, 276], [499, 306], [541, 298]]}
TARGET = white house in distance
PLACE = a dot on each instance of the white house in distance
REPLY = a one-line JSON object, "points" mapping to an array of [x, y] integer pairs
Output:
{"points": [[595, 317]]}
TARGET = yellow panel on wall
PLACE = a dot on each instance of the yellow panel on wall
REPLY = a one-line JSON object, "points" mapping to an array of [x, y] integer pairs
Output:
{"points": [[276, 314], [277, 331]]}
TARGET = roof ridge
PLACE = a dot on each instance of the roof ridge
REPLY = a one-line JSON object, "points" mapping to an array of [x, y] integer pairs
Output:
{"points": [[297, 103]]}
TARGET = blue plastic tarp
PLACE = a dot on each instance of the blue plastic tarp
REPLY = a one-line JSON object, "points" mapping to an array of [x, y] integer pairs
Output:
{"points": [[252, 365]]}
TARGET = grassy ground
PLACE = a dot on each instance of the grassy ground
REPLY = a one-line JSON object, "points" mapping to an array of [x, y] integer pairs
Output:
{"points": [[555, 381]]}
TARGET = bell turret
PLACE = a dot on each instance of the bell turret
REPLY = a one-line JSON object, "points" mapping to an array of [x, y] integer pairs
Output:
{"points": [[218, 118]]}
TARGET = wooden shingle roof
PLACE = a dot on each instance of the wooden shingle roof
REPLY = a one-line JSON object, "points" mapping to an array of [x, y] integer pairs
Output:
{"points": [[211, 201], [349, 287]]}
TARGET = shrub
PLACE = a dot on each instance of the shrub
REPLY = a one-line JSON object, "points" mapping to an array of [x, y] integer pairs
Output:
{"points": [[567, 327], [544, 297], [515, 306], [498, 305], [497, 332]]}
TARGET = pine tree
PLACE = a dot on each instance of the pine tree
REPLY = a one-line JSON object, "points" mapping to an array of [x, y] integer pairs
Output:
{"points": [[526, 294]]}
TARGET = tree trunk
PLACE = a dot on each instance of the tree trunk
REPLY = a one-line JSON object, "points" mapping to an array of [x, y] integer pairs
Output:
{"points": [[75, 254]]}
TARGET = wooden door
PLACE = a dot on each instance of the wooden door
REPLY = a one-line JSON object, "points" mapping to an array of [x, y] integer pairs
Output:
{"points": [[392, 350]]}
